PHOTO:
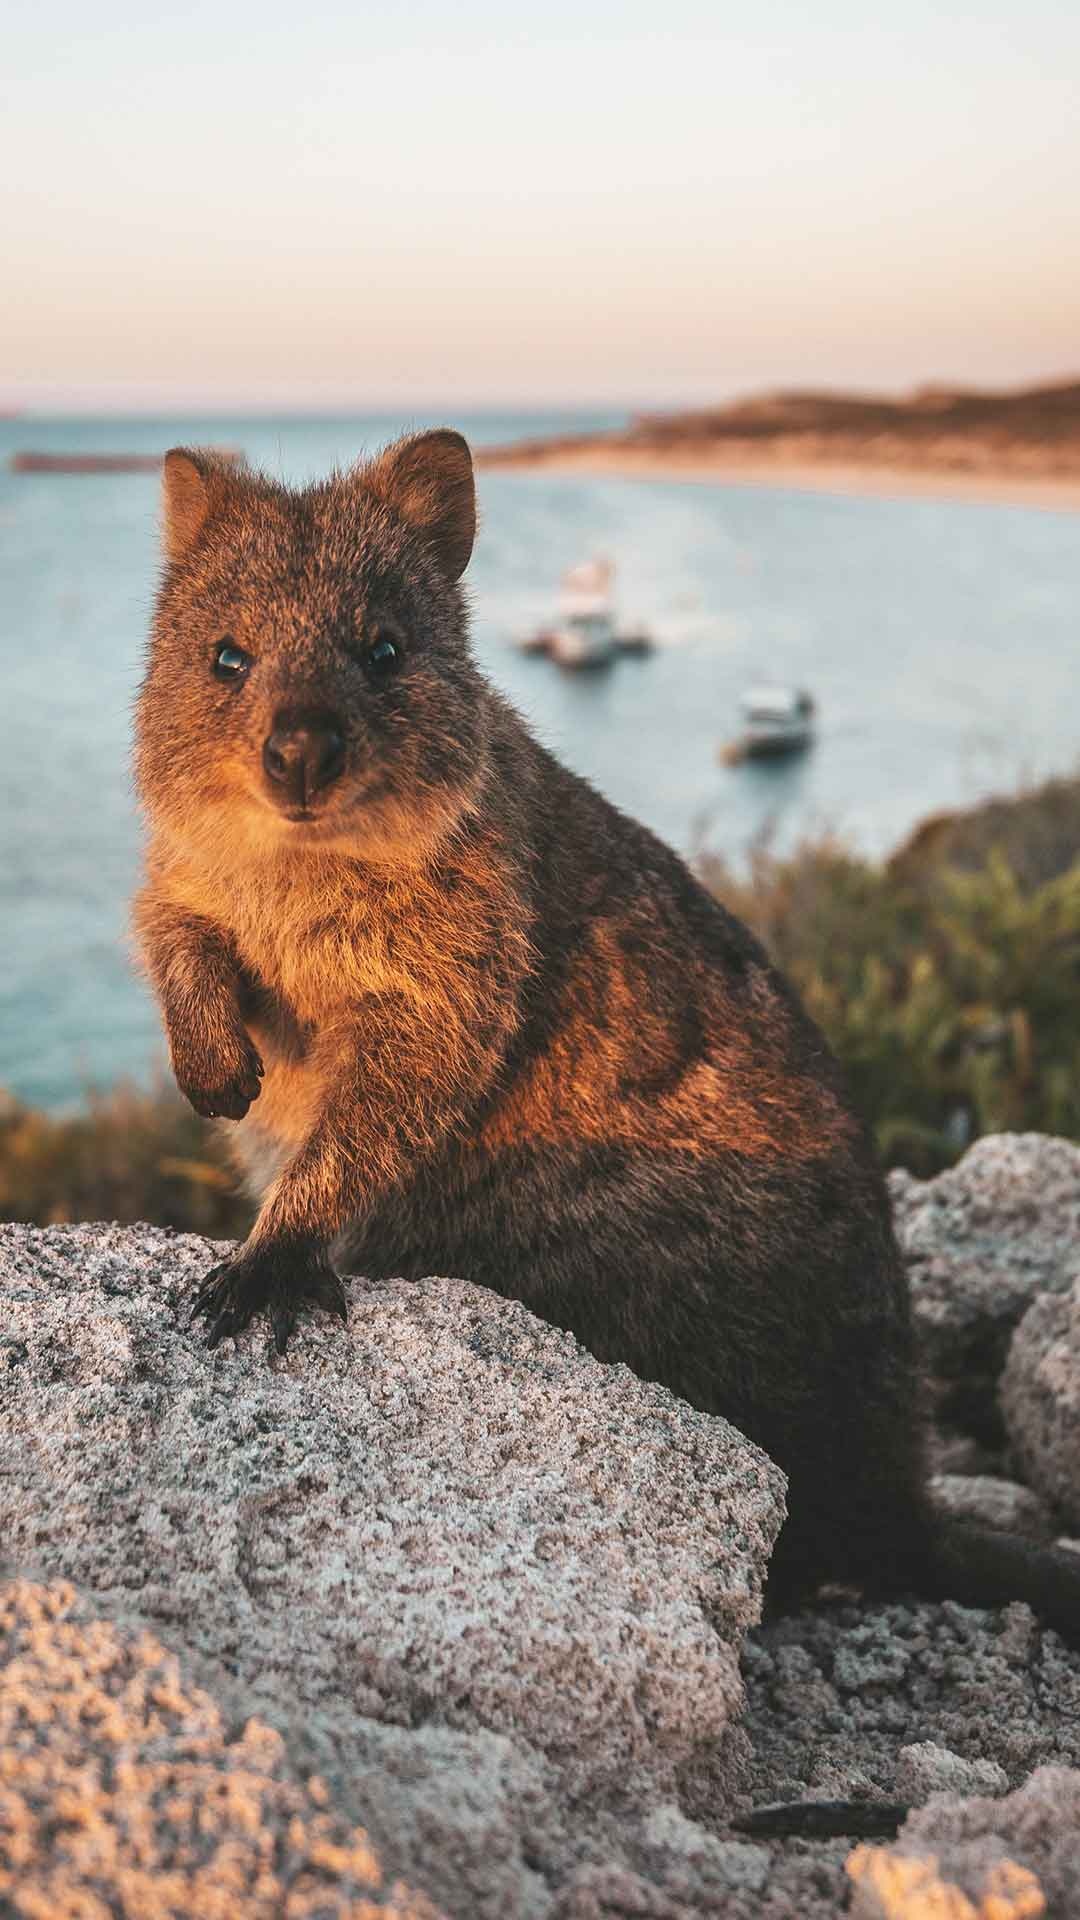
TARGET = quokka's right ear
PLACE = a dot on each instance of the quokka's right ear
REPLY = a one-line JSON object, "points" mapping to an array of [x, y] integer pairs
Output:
{"points": [[191, 482], [428, 479]]}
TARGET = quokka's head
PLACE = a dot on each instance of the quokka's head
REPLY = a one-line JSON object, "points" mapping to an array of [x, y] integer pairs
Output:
{"points": [[309, 682]]}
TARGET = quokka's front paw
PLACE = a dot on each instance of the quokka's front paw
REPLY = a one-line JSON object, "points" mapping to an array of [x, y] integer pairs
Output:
{"points": [[276, 1280], [222, 1079]]}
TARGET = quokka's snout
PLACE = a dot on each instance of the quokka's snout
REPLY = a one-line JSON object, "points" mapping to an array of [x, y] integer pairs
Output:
{"points": [[302, 756]]}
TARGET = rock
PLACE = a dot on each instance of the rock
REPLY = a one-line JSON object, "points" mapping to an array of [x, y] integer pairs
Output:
{"points": [[447, 1615], [1040, 1395], [125, 1790], [1003, 1504], [614, 1893], [981, 1242], [488, 1590], [923, 1769], [843, 1701], [691, 1863], [958, 1453], [1011, 1859], [891, 1886]]}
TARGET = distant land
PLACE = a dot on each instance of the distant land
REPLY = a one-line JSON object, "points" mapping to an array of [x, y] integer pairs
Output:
{"points": [[1021, 445]]}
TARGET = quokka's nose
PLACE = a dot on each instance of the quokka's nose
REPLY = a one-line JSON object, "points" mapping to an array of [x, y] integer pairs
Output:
{"points": [[303, 755]]}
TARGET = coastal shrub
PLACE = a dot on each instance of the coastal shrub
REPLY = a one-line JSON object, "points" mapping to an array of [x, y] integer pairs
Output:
{"points": [[126, 1155], [949, 993]]}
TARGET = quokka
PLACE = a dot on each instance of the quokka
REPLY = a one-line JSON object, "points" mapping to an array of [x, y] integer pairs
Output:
{"points": [[467, 1018]]}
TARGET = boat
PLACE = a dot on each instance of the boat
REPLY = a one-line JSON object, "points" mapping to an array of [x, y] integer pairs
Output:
{"points": [[777, 720], [583, 636]]}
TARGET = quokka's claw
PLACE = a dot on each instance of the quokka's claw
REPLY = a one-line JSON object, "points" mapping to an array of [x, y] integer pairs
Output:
{"points": [[225, 1324], [206, 1301], [331, 1296], [284, 1325], [273, 1281]]}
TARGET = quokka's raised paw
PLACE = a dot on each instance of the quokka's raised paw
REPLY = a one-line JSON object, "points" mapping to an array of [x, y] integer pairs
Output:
{"points": [[220, 1088]]}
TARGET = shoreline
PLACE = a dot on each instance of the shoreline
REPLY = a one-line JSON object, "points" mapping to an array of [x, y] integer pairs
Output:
{"points": [[850, 478]]}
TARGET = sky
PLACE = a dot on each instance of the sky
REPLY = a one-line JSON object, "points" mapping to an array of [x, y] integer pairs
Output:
{"points": [[321, 205]]}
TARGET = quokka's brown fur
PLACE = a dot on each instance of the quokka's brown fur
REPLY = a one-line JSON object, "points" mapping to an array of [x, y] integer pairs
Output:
{"points": [[466, 1018]]}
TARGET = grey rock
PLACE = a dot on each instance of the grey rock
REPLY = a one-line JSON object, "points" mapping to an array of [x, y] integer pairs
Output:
{"points": [[472, 1577], [991, 1691], [128, 1790], [616, 1893], [1003, 1504], [688, 1861], [687, 1873], [836, 1694], [1040, 1395], [458, 1604], [981, 1242], [950, 1452], [1028, 1843], [925, 1768]]}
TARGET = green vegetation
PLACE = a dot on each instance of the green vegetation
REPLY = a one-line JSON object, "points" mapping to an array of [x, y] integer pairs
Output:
{"points": [[126, 1155], [947, 980]]}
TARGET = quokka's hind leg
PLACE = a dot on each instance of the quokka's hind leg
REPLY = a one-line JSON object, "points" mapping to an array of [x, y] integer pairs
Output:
{"points": [[863, 1532], [853, 1453]]}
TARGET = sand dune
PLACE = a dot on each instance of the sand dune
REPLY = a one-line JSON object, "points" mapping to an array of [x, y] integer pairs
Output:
{"points": [[1022, 446]]}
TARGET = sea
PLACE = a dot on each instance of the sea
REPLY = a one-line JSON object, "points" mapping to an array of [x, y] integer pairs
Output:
{"points": [[940, 639]]}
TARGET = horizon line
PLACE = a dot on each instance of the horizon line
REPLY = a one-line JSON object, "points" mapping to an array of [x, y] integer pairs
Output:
{"points": [[723, 394]]}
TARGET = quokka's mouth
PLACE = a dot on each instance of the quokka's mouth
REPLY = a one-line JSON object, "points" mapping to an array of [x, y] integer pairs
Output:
{"points": [[307, 824], [299, 825], [338, 801]]}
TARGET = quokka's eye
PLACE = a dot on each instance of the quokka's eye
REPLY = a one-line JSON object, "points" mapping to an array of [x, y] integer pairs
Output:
{"points": [[383, 656], [231, 663]]}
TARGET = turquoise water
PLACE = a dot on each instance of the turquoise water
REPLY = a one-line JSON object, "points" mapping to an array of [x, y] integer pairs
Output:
{"points": [[940, 638]]}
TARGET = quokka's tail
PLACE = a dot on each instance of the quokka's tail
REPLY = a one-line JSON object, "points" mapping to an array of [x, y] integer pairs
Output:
{"points": [[982, 1567]]}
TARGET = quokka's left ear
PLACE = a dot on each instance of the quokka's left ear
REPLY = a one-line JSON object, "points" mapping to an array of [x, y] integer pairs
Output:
{"points": [[428, 479], [195, 482]]}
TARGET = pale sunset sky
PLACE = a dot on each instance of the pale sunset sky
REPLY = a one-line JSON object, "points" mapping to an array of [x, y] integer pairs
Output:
{"points": [[322, 205]]}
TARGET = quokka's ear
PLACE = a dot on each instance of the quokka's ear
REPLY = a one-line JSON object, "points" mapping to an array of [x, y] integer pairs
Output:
{"points": [[192, 481], [428, 479]]}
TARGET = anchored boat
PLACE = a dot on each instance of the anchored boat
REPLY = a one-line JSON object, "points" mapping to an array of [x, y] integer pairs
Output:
{"points": [[777, 720], [584, 635]]}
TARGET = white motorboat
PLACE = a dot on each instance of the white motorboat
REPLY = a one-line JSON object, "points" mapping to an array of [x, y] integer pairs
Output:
{"points": [[777, 720], [583, 635]]}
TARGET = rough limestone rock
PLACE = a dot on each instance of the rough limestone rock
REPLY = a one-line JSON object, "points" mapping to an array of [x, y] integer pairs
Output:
{"points": [[981, 1242], [835, 1694], [949, 1452], [123, 1790], [1003, 1504], [1040, 1394], [924, 1769], [471, 1577], [894, 1886], [980, 1859], [893, 1702], [438, 1617]]}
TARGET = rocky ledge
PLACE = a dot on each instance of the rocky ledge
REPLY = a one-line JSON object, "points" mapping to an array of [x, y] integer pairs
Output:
{"points": [[439, 1616]]}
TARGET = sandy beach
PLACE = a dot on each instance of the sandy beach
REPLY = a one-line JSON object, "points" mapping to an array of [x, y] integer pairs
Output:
{"points": [[1019, 448], [1057, 493]]}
